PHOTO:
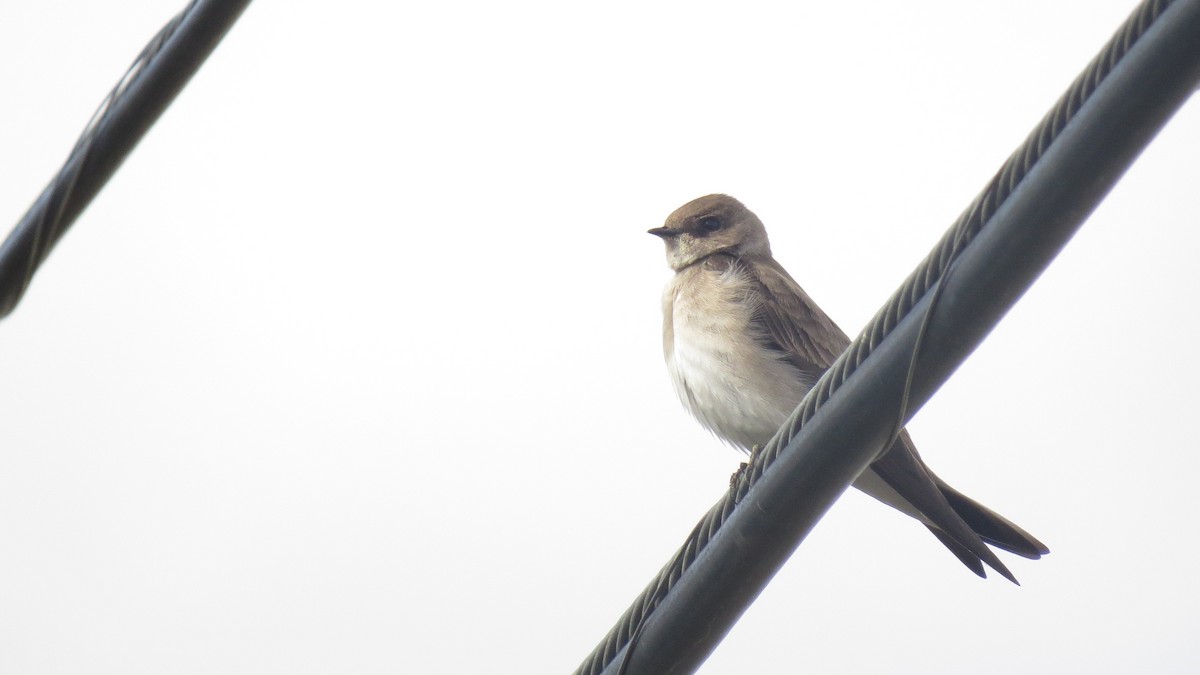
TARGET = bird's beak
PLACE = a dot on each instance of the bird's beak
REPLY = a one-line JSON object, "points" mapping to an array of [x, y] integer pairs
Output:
{"points": [[664, 232]]}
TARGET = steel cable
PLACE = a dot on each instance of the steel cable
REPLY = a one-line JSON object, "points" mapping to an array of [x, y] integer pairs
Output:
{"points": [[921, 281], [156, 76]]}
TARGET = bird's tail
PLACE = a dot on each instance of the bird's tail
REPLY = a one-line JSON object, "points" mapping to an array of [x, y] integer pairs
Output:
{"points": [[963, 525]]}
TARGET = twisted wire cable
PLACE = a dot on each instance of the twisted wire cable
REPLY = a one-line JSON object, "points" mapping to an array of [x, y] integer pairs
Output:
{"points": [[158, 73], [924, 279]]}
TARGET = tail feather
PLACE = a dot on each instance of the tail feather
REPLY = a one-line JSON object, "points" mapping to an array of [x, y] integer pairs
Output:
{"points": [[961, 552], [992, 527]]}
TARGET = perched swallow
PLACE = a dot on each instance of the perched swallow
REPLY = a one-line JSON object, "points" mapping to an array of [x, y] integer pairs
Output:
{"points": [[744, 344]]}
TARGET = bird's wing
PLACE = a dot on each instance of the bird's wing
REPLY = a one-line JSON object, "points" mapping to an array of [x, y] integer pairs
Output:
{"points": [[792, 321], [812, 342]]}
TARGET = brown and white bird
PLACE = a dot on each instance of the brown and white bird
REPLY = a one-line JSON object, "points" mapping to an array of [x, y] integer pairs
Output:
{"points": [[744, 344]]}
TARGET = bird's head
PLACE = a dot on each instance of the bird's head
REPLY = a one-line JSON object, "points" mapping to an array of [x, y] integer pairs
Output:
{"points": [[710, 225]]}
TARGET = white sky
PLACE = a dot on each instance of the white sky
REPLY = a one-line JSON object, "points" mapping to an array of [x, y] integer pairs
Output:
{"points": [[355, 365]]}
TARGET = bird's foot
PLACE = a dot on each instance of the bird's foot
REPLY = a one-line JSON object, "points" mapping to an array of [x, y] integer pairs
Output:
{"points": [[736, 476], [744, 466]]}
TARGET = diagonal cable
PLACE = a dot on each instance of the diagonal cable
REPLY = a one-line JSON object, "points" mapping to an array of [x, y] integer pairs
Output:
{"points": [[156, 76], [1164, 89]]}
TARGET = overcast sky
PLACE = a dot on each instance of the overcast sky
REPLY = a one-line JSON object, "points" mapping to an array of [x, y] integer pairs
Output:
{"points": [[355, 366]]}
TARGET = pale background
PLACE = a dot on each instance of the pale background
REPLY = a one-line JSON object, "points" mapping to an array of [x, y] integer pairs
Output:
{"points": [[355, 365]]}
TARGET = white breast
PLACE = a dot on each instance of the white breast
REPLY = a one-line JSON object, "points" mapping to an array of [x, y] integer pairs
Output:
{"points": [[723, 373]]}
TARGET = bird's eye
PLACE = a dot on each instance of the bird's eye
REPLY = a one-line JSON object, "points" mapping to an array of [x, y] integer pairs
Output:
{"points": [[710, 223]]}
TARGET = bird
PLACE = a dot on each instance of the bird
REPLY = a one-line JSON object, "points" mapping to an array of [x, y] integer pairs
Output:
{"points": [[744, 343]]}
